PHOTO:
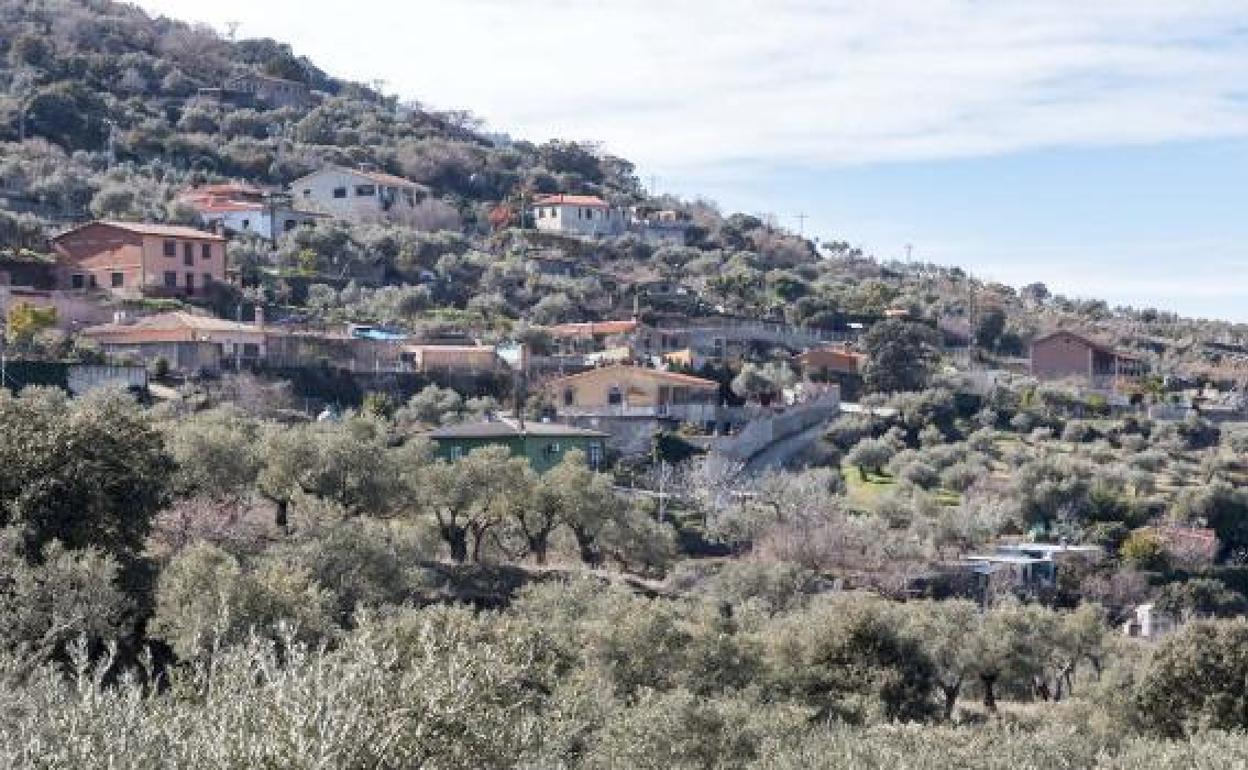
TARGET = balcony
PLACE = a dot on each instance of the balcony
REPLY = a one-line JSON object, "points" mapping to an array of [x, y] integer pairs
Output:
{"points": [[695, 413]]}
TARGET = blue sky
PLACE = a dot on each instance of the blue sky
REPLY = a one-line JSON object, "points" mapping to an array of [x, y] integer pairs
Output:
{"points": [[1098, 147]]}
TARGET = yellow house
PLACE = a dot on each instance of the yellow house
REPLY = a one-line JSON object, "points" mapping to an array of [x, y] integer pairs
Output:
{"points": [[634, 391]]}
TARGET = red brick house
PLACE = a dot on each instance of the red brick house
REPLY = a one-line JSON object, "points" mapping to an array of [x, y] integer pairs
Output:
{"points": [[1064, 354], [133, 258]]}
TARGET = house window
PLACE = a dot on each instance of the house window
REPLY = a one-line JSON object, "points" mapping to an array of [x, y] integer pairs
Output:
{"points": [[553, 448], [251, 350], [569, 397], [246, 224], [206, 251], [340, 192], [595, 455], [190, 282], [307, 193], [615, 396], [117, 280], [289, 225], [457, 452], [171, 279], [365, 190], [410, 197], [188, 254], [541, 213], [91, 284], [77, 281], [171, 248], [207, 278]]}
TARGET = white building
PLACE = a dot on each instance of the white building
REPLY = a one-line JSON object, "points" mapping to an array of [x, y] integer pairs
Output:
{"points": [[242, 208], [356, 194], [586, 216], [660, 227]]}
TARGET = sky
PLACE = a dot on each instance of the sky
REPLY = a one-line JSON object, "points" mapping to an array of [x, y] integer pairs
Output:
{"points": [[1100, 147]]}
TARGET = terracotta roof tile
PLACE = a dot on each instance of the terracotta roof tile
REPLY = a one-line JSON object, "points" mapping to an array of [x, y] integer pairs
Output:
{"points": [[594, 327], [592, 201], [658, 374], [147, 228]]}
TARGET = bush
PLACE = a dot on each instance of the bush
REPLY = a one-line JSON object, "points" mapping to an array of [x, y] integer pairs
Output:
{"points": [[1195, 680]]}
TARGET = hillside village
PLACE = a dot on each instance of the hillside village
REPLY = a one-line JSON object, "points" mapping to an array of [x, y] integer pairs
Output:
{"points": [[291, 362]]}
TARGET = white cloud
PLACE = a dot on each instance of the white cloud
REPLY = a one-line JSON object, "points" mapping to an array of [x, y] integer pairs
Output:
{"points": [[685, 83]]}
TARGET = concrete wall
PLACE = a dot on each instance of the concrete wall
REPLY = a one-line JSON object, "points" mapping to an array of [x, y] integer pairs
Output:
{"points": [[763, 432], [84, 378], [74, 310]]}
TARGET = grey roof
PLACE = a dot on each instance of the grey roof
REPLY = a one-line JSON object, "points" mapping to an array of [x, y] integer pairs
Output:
{"points": [[501, 429]]}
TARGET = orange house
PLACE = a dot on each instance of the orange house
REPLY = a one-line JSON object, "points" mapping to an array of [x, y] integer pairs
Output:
{"points": [[132, 258]]}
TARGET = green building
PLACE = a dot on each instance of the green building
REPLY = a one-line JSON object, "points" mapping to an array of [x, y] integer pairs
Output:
{"points": [[543, 443]]}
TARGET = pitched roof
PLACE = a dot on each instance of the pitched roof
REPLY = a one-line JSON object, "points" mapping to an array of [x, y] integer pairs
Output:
{"points": [[1096, 345], [592, 201], [656, 374], [177, 326], [380, 177], [594, 327], [147, 228], [510, 429]]}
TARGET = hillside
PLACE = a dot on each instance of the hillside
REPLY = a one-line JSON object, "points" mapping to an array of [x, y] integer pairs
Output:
{"points": [[110, 103]]}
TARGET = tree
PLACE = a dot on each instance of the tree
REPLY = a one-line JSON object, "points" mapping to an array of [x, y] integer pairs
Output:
{"points": [[847, 660], [950, 633], [26, 321], [1195, 680], [870, 454], [1144, 550], [206, 598], [217, 454], [762, 382], [990, 327], [471, 497], [49, 599], [1200, 598], [87, 472], [900, 356]]}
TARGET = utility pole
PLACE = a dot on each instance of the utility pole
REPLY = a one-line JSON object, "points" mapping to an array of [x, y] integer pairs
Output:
{"points": [[801, 224], [654, 186], [112, 143], [909, 252]]}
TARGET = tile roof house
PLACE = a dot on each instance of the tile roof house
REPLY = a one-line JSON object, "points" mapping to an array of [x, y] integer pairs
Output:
{"points": [[544, 444], [578, 215], [635, 391], [356, 193], [275, 92], [135, 258], [187, 342], [1065, 354], [236, 207]]}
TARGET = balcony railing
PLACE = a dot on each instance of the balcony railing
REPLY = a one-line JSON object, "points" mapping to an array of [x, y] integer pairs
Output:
{"points": [[683, 412]]}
